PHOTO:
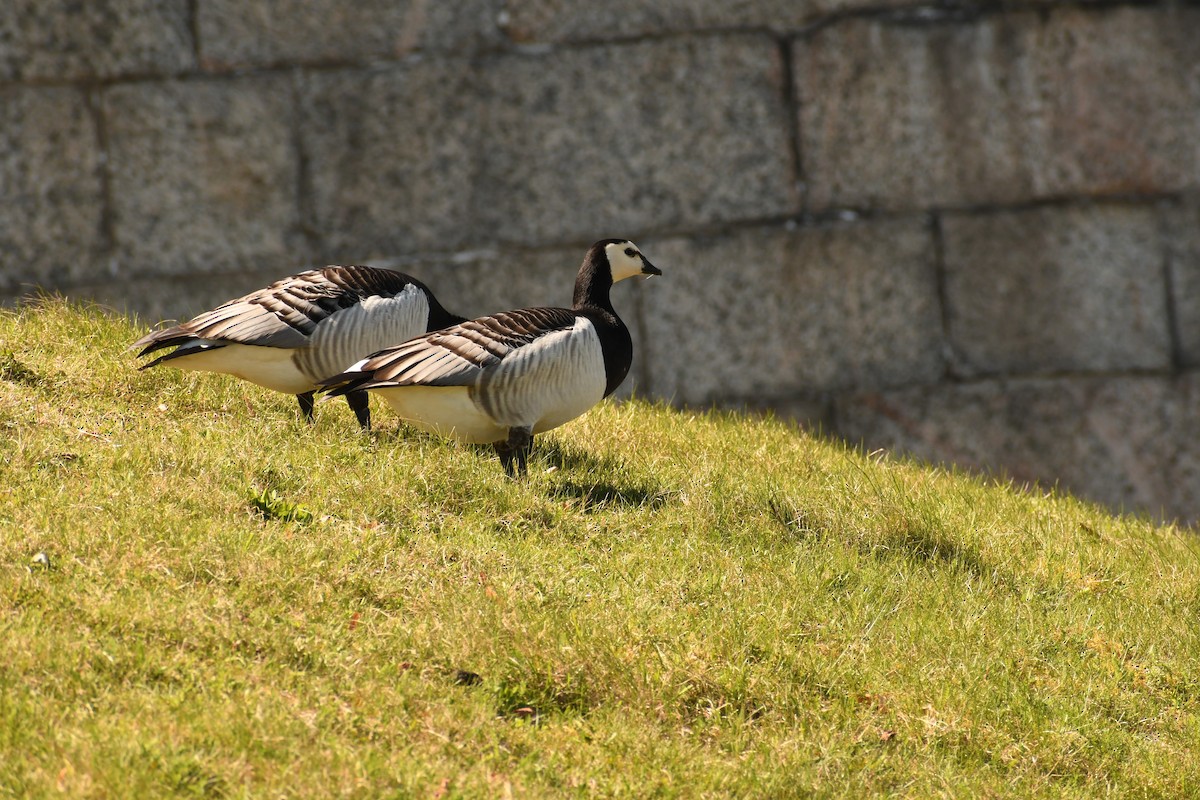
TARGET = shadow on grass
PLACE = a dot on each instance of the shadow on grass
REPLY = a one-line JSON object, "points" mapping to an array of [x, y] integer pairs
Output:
{"points": [[530, 696], [594, 496], [707, 700], [526, 694], [563, 456], [917, 543], [187, 774], [14, 371], [903, 535], [589, 494]]}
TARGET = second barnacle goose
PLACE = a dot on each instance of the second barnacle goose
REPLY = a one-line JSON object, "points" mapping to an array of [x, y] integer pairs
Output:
{"points": [[503, 378], [290, 335]]}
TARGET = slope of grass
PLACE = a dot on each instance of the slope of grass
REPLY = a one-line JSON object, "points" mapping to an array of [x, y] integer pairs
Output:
{"points": [[200, 595]]}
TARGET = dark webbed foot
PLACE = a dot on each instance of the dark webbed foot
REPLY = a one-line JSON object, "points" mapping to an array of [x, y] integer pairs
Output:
{"points": [[360, 404], [306, 404], [514, 452]]}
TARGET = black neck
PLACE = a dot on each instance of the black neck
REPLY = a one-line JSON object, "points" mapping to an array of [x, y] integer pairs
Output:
{"points": [[592, 300], [615, 344], [439, 317], [594, 283]]}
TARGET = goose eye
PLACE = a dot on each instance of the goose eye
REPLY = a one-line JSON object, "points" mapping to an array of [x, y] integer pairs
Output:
{"points": [[629, 251]]}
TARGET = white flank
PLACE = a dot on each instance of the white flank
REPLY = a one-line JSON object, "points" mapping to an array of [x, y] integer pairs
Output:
{"points": [[540, 386], [444, 410], [270, 367], [546, 383]]}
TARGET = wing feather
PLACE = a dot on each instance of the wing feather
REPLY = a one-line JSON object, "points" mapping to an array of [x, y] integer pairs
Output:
{"points": [[286, 313], [454, 356]]}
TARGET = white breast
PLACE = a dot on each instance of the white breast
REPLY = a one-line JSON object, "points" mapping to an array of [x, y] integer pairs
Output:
{"points": [[546, 383]]}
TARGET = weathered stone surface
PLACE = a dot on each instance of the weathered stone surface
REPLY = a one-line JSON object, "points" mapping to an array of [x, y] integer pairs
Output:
{"points": [[1183, 255], [562, 20], [51, 222], [481, 282], [567, 21], [813, 411], [769, 312], [392, 158], [1052, 289], [236, 33], [567, 145], [1000, 109], [1128, 442], [204, 176], [620, 139], [97, 38], [176, 297]]}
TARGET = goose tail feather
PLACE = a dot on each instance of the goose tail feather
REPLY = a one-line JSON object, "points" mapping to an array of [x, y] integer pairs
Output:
{"points": [[157, 340], [187, 346], [345, 382]]}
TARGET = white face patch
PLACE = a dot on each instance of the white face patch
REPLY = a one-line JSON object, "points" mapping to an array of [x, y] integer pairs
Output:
{"points": [[624, 259]]}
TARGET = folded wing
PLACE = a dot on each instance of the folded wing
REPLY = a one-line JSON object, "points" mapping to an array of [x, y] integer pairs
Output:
{"points": [[284, 314], [454, 356]]}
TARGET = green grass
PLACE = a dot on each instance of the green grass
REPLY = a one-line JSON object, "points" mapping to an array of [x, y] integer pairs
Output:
{"points": [[238, 604]]}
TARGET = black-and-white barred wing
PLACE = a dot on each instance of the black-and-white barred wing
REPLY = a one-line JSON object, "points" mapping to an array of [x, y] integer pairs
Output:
{"points": [[456, 355], [285, 313]]}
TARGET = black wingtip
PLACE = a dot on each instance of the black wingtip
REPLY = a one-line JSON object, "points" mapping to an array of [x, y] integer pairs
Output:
{"points": [[148, 345], [153, 347], [159, 339], [343, 383], [183, 348]]}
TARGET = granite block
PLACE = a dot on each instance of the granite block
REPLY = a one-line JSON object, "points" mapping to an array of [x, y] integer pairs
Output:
{"points": [[52, 223], [621, 139], [776, 311], [1127, 442], [204, 176], [1077, 288], [68, 39], [999, 109], [237, 33]]}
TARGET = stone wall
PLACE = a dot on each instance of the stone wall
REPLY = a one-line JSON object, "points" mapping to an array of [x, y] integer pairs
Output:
{"points": [[970, 232]]}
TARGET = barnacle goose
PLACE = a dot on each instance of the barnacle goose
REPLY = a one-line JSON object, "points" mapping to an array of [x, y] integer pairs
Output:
{"points": [[503, 378], [303, 328]]}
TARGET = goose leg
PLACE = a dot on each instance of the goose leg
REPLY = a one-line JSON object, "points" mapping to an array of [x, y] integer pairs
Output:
{"points": [[360, 404], [515, 449], [306, 405], [523, 451]]}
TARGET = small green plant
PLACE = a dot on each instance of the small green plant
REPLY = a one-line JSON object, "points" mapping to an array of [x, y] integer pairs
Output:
{"points": [[272, 506], [12, 369]]}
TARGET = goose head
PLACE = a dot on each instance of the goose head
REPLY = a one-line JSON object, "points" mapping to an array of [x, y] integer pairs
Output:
{"points": [[625, 260], [608, 261]]}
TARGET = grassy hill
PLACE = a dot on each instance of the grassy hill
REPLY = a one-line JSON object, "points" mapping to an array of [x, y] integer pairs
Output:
{"points": [[233, 603]]}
